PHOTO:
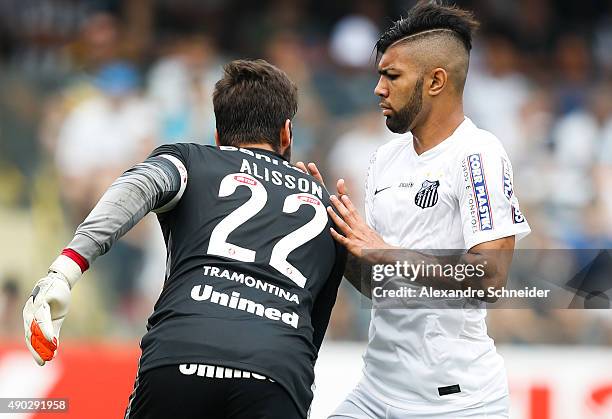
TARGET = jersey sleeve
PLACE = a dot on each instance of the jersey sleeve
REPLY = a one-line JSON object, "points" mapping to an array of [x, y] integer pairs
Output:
{"points": [[178, 150], [370, 187], [153, 185], [489, 207], [176, 159]]}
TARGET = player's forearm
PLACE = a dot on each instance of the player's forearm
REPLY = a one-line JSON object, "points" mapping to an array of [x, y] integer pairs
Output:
{"points": [[472, 270], [145, 187], [484, 273], [353, 274]]}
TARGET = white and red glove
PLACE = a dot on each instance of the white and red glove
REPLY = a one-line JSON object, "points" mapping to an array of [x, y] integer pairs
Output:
{"points": [[48, 305]]}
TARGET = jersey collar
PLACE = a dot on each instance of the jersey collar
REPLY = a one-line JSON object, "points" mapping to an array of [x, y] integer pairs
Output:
{"points": [[264, 151], [445, 144]]}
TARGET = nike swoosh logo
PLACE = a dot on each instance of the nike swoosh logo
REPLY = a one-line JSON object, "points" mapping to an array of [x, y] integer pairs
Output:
{"points": [[380, 190]]}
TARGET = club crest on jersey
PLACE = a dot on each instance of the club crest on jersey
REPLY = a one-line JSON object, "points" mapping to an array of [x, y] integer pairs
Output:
{"points": [[507, 179], [427, 196], [479, 185]]}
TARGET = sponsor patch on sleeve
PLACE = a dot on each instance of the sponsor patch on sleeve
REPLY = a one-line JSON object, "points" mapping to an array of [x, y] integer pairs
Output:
{"points": [[507, 179], [481, 194], [517, 215]]}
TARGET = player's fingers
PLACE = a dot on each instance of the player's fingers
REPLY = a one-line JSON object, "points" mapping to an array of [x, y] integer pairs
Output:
{"points": [[42, 316], [314, 171], [28, 319], [342, 210], [37, 335], [39, 331], [35, 355], [41, 350], [344, 227], [300, 165], [57, 326], [43, 347], [338, 237], [341, 187], [349, 204]]}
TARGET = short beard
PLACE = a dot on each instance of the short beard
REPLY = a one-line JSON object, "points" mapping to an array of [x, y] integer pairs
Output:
{"points": [[403, 120]]}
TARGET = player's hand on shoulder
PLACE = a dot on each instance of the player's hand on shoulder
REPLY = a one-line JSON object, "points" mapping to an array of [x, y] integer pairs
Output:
{"points": [[352, 231], [46, 308]]}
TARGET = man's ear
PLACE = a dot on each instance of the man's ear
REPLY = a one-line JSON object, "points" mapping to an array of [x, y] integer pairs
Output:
{"points": [[286, 135], [437, 82], [217, 137]]}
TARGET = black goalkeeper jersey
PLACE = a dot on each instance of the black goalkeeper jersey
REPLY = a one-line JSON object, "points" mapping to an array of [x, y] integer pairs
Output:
{"points": [[252, 270]]}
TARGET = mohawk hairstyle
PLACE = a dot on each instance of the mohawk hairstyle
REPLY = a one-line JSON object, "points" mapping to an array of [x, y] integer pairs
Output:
{"points": [[431, 16]]}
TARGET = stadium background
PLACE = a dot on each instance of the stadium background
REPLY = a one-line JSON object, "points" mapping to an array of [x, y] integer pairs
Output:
{"points": [[87, 88]]}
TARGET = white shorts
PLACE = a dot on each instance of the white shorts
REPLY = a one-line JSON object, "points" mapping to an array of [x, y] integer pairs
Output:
{"points": [[360, 404]]}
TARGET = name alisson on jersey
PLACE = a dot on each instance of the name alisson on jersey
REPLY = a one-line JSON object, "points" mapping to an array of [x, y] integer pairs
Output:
{"points": [[267, 174]]}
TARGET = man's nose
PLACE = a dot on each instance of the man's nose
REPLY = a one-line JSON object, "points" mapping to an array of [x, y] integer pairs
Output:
{"points": [[380, 89]]}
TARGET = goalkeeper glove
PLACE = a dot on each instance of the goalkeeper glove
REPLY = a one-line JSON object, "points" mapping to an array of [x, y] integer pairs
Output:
{"points": [[47, 307]]}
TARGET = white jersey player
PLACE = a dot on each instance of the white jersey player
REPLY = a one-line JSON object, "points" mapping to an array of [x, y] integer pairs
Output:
{"points": [[446, 185], [416, 354]]}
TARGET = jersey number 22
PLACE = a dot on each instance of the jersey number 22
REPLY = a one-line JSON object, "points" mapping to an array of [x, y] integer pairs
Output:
{"points": [[218, 244]]}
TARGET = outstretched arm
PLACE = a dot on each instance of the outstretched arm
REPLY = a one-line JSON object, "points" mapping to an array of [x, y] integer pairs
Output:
{"points": [[157, 184]]}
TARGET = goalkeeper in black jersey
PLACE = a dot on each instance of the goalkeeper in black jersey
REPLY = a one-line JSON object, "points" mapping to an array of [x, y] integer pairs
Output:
{"points": [[252, 270]]}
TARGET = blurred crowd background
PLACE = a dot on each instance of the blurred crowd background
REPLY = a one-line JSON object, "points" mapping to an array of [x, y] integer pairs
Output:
{"points": [[89, 87]]}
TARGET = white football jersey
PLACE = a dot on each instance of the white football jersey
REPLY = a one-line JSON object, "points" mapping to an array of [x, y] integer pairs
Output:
{"points": [[454, 196]]}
